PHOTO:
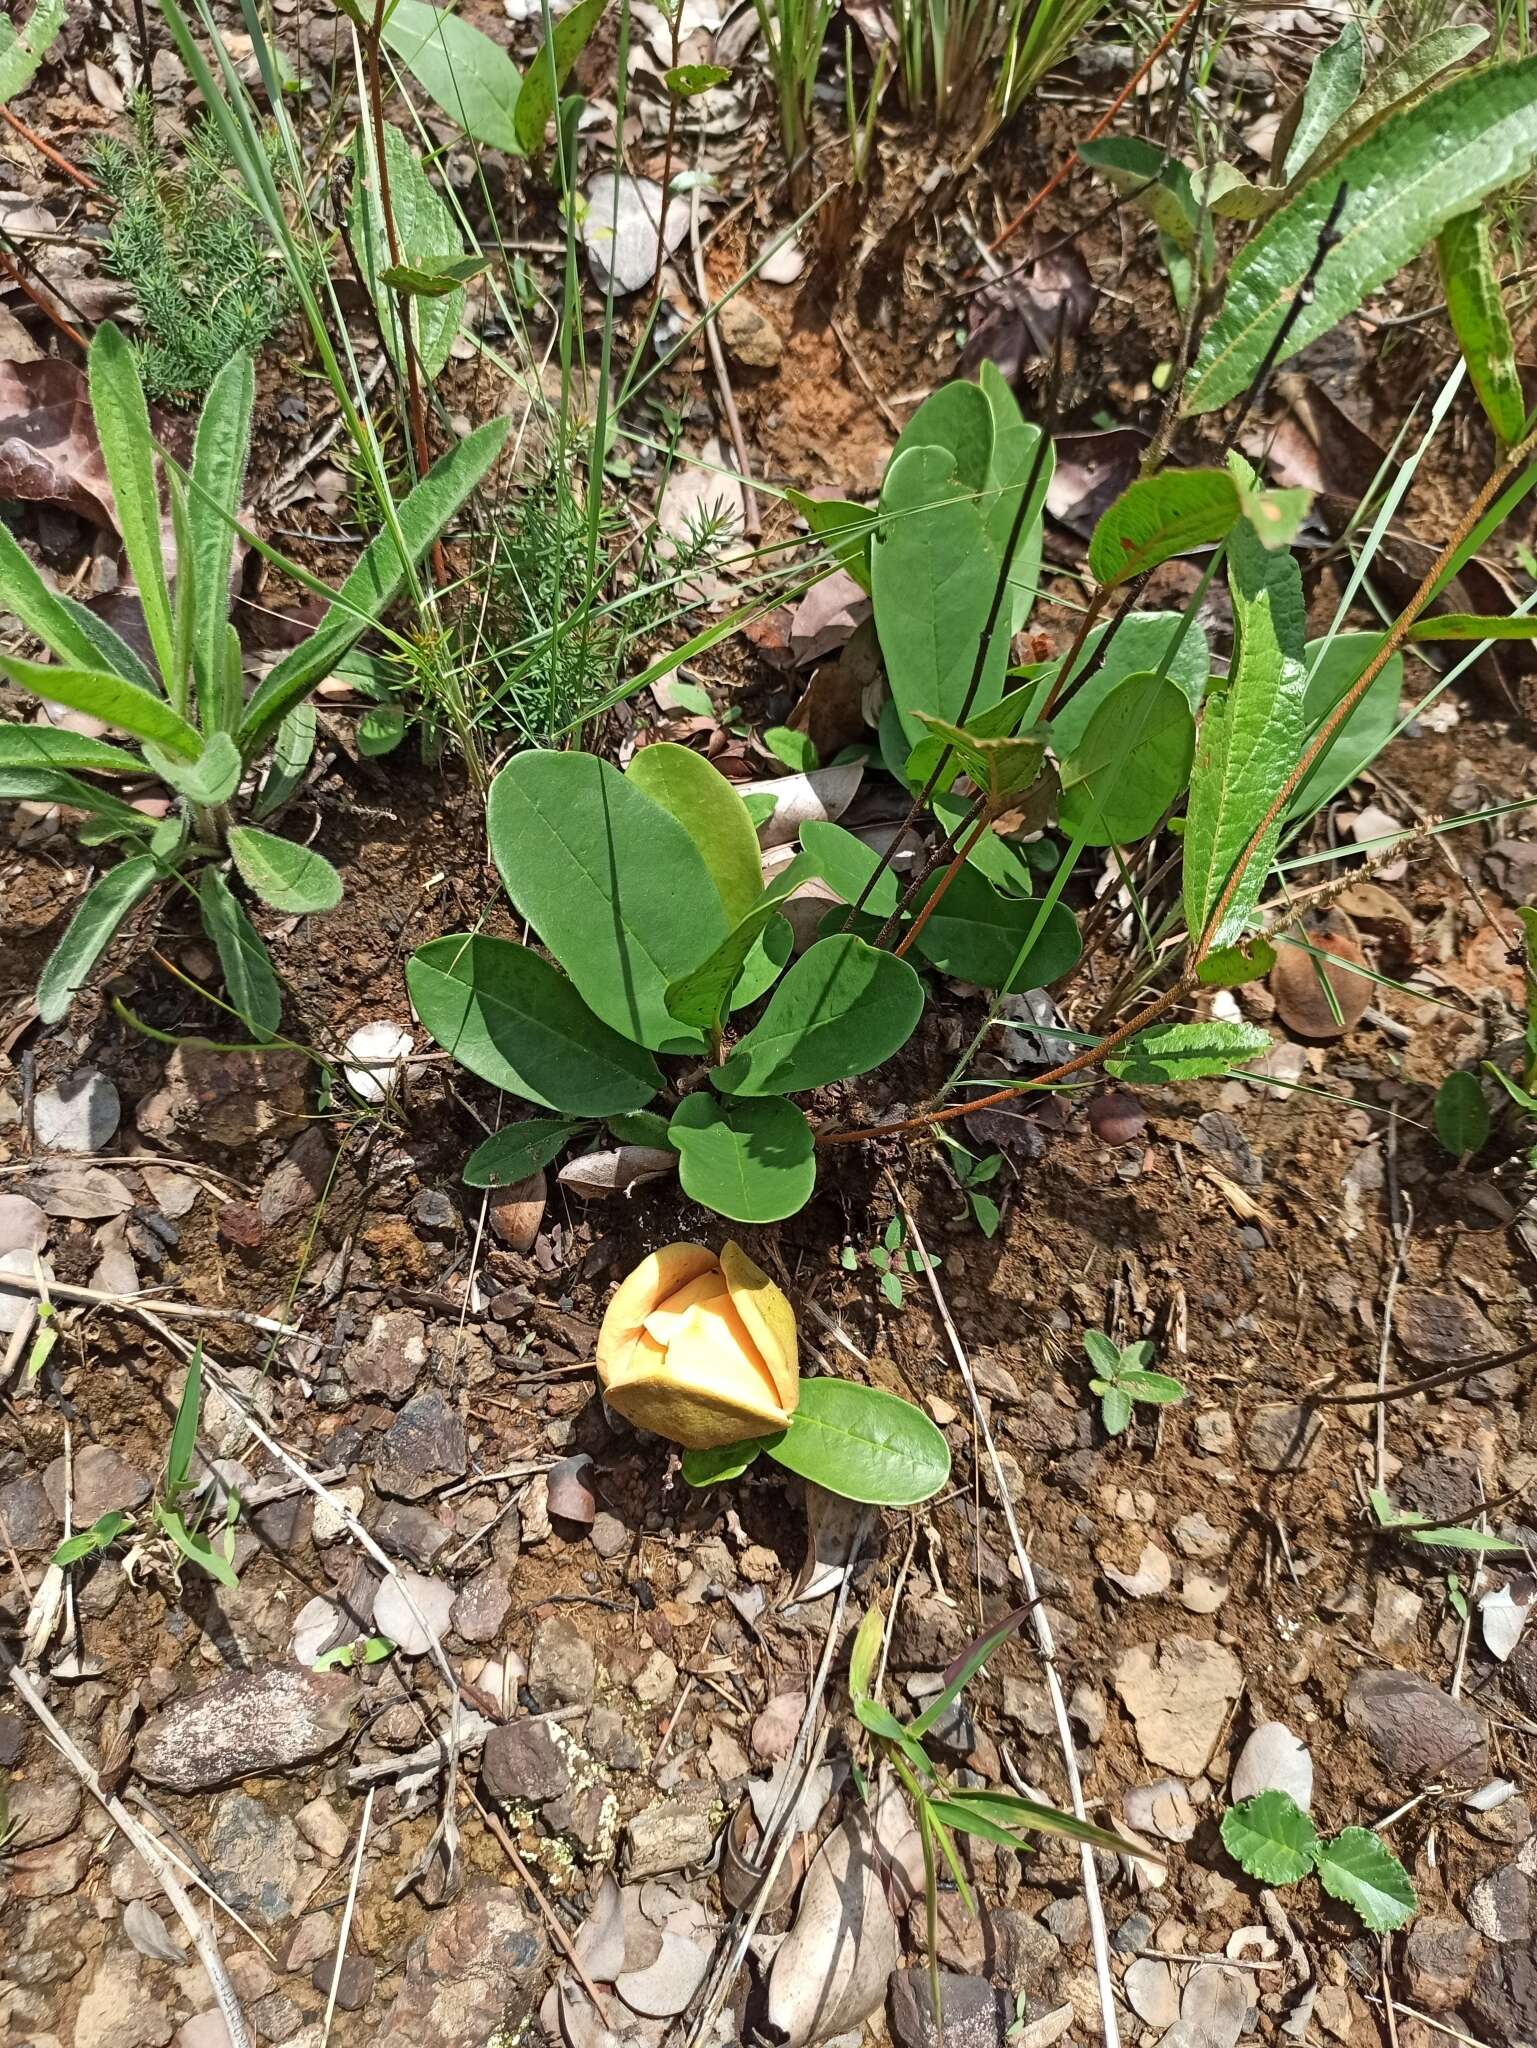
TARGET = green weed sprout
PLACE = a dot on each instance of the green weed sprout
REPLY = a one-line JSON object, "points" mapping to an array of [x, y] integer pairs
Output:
{"points": [[1121, 1379], [1277, 1843]]}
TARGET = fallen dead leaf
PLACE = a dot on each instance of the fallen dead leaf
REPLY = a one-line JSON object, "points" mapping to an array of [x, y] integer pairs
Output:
{"points": [[831, 1969]]}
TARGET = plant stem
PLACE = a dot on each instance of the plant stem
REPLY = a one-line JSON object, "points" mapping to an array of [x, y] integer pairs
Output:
{"points": [[958, 861], [402, 299], [675, 23]]}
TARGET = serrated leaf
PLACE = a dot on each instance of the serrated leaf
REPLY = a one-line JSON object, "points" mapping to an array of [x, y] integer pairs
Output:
{"points": [[863, 1444], [612, 883], [1358, 1868], [1131, 763], [1250, 737], [282, 873], [1420, 169], [1160, 517], [841, 1009], [751, 1158], [1271, 1837], [112, 699], [1477, 313], [1462, 1115], [249, 980], [1187, 1052], [1333, 85], [549, 69], [472, 79], [517, 1022], [90, 931], [424, 231]]}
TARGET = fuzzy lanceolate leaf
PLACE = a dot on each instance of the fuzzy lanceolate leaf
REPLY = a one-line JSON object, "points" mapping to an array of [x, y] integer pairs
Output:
{"points": [[90, 931], [1160, 517], [1187, 1052], [1479, 321], [424, 231]]}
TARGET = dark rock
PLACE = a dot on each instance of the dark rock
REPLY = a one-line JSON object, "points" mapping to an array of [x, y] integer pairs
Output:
{"points": [[928, 1635], [276, 2017], [522, 1764], [1021, 1952], [482, 1606], [1522, 1672], [1281, 1435], [389, 1362], [562, 1668], [226, 1100], [27, 1519], [611, 1742], [1421, 1735], [298, 1181], [1441, 1954], [1135, 1932], [960, 1939], [45, 1803], [1439, 1489], [423, 1450], [1068, 1920], [481, 1957], [435, 1210], [13, 1740], [1442, 1329], [410, 1532], [1503, 2000], [589, 1816], [354, 1981], [253, 1855], [1500, 1905], [247, 1723], [285, 1525], [954, 1732], [102, 1482], [972, 2014]]}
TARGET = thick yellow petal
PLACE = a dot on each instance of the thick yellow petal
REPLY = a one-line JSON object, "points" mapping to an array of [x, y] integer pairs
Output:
{"points": [[657, 1276], [769, 1319], [704, 1392], [662, 1323]]}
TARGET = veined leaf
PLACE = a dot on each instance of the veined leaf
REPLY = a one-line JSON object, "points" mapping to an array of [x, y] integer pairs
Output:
{"points": [[1477, 313], [1142, 172], [53, 746], [249, 978], [1131, 764], [1000, 767], [23, 49], [611, 882], [1333, 85], [975, 934], [424, 230], [862, 1443], [1142, 646], [845, 527], [1419, 170], [210, 779], [867, 1643], [472, 79], [102, 1533], [1156, 1388], [1462, 1115], [1271, 1837], [842, 1009], [283, 873], [112, 699], [362, 599], [517, 1022], [1393, 85], [217, 480], [518, 1150], [751, 1158], [694, 792], [90, 931], [1358, 1867], [1474, 626], [1160, 517], [549, 70], [1250, 737], [291, 753], [700, 998], [1187, 1052], [122, 426], [436, 276]]}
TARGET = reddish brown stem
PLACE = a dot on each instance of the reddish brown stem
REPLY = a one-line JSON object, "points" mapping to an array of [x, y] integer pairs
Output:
{"points": [[962, 854], [392, 236], [13, 272], [59, 162]]}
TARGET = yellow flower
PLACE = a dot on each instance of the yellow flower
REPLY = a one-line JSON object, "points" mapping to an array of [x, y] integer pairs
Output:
{"points": [[700, 1349]]}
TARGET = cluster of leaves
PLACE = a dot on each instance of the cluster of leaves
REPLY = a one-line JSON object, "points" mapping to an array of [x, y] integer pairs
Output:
{"points": [[203, 270], [1277, 1843], [1121, 1379], [474, 80], [196, 734], [849, 1439], [891, 1259]]}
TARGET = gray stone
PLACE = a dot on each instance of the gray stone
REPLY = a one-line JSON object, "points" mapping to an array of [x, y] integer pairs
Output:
{"points": [[276, 2017], [562, 1668], [972, 2014], [253, 1853], [1442, 1329], [389, 1361], [611, 1742], [1420, 1734], [1443, 1488], [298, 1181], [412, 1610], [1273, 1759], [1197, 1538], [482, 1606], [481, 1957], [407, 1531], [1068, 1920], [78, 1115], [27, 1520], [608, 1535], [1151, 1991], [1021, 1952], [522, 1764], [1441, 1954], [588, 1814], [928, 1635], [675, 1834], [354, 1982], [1281, 1435], [423, 1450], [1214, 2006], [118, 2012], [45, 1803], [247, 1723], [102, 1481], [1503, 1999], [1500, 1905]]}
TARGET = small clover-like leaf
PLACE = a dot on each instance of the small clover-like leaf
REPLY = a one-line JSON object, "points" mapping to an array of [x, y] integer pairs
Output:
{"points": [[1359, 1868], [1271, 1837]]}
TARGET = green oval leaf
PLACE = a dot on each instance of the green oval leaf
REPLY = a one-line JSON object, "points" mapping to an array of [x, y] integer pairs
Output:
{"points": [[1420, 169], [975, 935], [520, 1149], [611, 882], [1462, 1115], [711, 813], [727, 1461], [1132, 762], [1359, 1868], [841, 1009], [517, 1022], [752, 1159], [282, 873], [1160, 517], [472, 79], [1271, 1837], [863, 1444], [687, 81]]}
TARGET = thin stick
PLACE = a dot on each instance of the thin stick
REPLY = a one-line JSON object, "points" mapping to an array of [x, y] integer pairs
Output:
{"points": [[347, 1912], [752, 525], [149, 1850], [1405, 1388], [1042, 1626], [1400, 1229], [60, 163], [183, 1311]]}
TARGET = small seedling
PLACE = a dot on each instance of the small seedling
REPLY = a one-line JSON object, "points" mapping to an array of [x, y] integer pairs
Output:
{"points": [[46, 1338], [940, 1808], [1276, 1842], [891, 1259], [1462, 1115], [972, 1176], [1121, 1379], [365, 1650], [1415, 1530], [175, 1512]]}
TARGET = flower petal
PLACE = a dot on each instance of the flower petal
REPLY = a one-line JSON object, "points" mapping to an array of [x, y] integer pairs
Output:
{"points": [[657, 1276], [662, 1323], [769, 1319], [705, 1392]]}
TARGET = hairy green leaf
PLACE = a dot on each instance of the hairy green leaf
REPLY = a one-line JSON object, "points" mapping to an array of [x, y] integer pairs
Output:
{"points": [[842, 1009], [1250, 737], [863, 1444], [1160, 517], [517, 1022], [611, 882], [751, 1158], [53, 746], [1187, 1052], [291, 752], [1332, 670], [1115, 1406], [249, 979], [549, 70], [1131, 763], [90, 931], [424, 230], [23, 49], [1420, 169], [112, 699], [1474, 626], [1333, 85], [1271, 1837], [210, 779], [1393, 85], [472, 79], [1359, 1868], [282, 873], [1477, 313], [122, 426], [217, 480], [67, 628]]}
